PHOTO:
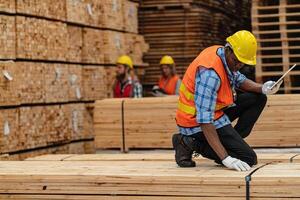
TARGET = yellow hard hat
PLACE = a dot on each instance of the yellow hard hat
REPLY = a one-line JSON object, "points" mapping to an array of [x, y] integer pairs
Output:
{"points": [[166, 60], [243, 44], [125, 60]]}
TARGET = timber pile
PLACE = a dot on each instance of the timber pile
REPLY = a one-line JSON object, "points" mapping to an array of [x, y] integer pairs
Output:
{"points": [[41, 126], [182, 29], [58, 52], [94, 83], [276, 26], [143, 180], [154, 127]]}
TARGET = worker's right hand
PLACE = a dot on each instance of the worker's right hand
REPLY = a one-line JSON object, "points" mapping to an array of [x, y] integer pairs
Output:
{"points": [[266, 88], [233, 163]]}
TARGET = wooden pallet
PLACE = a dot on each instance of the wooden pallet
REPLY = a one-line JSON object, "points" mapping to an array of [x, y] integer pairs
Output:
{"points": [[182, 29], [276, 27], [145, 179], [154, 127]]}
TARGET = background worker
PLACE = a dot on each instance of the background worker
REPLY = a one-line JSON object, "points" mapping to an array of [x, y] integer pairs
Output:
{"points": [[126, 83], [169, 82], [209, 102]]}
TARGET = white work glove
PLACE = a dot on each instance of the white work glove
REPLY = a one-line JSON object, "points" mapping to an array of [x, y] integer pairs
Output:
{"points": [[233, 163], [266, 88]]}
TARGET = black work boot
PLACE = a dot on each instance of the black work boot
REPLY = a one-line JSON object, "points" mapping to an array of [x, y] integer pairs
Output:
{"points": [[183, 153]]}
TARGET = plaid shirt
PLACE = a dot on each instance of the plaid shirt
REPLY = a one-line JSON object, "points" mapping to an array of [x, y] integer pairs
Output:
{"points": [[207, 83], [137, 89]]}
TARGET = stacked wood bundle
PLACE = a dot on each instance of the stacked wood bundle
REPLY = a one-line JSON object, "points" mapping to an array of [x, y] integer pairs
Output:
{"points": [[75, 82], [42, 126], [144, 180], [75, 43], [56, 82], [7, 37], [182, 29], [8, 6], [93, 42], [9, 130], [154, 127], [130, 16], [32, 79], [109, 80], [113, 45], [275, 24], [34, 40], [94, 83], [135, 47], [113, 14], [44, 8], [9, 83]]}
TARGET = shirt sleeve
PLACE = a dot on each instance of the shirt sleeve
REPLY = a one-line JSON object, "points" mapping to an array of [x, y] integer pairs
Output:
{"points": [[239, 79], [178, 83], [207, 84]]}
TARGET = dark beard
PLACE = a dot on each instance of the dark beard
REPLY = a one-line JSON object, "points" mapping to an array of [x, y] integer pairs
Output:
{"points": [[120, 77]]}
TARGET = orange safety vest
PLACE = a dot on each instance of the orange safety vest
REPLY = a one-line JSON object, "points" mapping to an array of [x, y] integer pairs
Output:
{"points": [[169, 84], [186, 111]]}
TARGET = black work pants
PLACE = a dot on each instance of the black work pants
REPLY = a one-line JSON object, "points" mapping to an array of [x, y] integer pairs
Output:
{"points": [[248, 108]]}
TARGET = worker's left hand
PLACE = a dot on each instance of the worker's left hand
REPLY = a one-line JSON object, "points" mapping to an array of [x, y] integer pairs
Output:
{"points": [[266, 88]]}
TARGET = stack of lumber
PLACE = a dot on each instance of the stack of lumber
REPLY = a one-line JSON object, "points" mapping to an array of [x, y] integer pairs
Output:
{"points": [[66, 178], [150, 123], [41, 126], [276, 26], [53, 60], [182, 29]]}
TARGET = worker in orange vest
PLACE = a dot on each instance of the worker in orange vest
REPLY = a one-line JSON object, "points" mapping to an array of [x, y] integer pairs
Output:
{"points": [[126, 83], [169, 82], [213, 93]]}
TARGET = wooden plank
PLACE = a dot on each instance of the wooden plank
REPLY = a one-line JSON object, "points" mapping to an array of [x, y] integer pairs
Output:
{"points": [[75, 82], [153, 156], [92, 51], [75, 43]]}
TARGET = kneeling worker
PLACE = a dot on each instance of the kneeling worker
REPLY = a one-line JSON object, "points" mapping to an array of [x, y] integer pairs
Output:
{"points": [[209, 102]]}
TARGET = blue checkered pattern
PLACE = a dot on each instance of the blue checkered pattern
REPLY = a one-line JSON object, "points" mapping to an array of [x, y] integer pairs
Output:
{"points": [[207, 83]]}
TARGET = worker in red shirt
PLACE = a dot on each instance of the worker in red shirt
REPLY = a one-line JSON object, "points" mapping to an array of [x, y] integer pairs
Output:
{"points": [[126, 85]]}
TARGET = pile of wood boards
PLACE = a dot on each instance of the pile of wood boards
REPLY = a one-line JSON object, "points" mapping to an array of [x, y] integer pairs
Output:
{"points": [[53, 61], [276, 26], [41, 126], [150, 123], [66, 178], [182, 28]]}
